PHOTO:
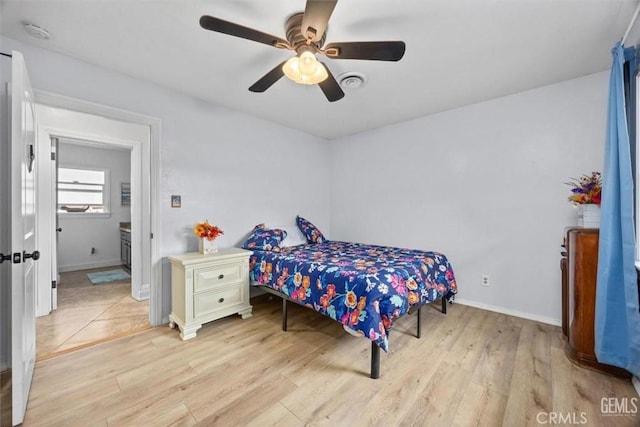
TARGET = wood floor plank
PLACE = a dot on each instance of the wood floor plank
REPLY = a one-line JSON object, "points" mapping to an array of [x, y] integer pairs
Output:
{"points": [[336, 372], [251, 403], [75, 397], [274, 415], [532, 370], [91, 365], [477, 404], [495, 366], [230, 381], [471, 367], [155, 415], [400, 386], [439, 401]]}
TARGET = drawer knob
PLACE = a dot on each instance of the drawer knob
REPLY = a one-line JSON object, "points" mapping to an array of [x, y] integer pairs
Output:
{"points": [[221, 300], [220, 277]]}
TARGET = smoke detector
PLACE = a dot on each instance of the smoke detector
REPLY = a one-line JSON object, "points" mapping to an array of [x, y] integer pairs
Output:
{"points": [[37, 32], [352, 80]]}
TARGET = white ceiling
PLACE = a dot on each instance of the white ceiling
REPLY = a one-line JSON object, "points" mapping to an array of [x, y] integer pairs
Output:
{"points": [[458, 51]]}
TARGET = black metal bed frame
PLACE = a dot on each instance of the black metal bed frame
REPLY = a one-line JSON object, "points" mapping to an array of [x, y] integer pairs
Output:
{"points": [[375, 350]]}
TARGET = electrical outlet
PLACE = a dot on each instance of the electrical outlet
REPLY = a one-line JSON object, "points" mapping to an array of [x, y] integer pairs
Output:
{"points": [[485, 280]]}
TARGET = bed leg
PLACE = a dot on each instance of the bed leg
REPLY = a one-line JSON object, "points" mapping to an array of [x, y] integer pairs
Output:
{"points": [[419, 317], [284, 314], [375, 361], [444, 305]]}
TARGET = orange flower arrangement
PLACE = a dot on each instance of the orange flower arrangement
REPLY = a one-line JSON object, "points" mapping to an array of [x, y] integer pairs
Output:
{"points": [[586, 190], [204, 230]]}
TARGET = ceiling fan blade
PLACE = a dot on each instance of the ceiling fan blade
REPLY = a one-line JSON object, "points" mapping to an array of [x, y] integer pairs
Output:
{"points": [[330, 87], [316, 18], [377, 51], [268, 79], [221, 26]]}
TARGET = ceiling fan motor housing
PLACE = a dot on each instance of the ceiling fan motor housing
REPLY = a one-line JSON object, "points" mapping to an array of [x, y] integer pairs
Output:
{"points": [[297, 39]]}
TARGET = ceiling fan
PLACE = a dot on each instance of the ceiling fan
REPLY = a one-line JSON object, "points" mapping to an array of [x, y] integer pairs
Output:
{"points": [[306, 34]]}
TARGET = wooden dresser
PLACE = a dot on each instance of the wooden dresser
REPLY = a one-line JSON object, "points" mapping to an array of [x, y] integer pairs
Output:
{"points": [[207, 287], [579, 267]]}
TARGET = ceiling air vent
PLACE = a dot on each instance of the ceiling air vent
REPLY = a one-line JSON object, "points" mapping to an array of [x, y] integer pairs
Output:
{"points": [[352, 80], [37, 32]]}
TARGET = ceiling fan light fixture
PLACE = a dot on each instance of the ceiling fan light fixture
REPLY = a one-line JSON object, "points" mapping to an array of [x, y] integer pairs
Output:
{"points": [[305, 69]]}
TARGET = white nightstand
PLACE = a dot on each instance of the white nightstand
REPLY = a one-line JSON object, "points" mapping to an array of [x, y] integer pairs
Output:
{"points": [[208, 287]]}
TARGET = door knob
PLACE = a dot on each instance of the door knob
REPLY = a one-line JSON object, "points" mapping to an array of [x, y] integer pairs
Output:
{"points": [[59, 229], [4, 258], [35, 255]]}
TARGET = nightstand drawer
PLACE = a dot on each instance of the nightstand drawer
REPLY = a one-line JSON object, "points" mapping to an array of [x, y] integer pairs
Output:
{"points": [[220, 299], [212, 277]]}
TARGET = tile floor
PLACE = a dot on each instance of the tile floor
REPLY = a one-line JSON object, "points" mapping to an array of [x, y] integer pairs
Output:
{"points": [[88, 314]]}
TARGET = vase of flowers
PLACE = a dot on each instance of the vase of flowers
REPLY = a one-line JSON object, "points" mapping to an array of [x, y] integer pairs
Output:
{"points": [[586, 195], [207, 234]]}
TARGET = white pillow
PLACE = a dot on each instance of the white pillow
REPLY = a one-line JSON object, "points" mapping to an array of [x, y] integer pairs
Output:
{"points": [[294, 236]]}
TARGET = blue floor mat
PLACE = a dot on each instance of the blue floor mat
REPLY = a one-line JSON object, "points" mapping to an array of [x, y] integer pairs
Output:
{"points": [[101, 277]]}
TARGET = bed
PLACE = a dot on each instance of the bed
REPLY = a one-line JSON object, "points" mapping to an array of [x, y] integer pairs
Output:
{"points": [[363, 287]]}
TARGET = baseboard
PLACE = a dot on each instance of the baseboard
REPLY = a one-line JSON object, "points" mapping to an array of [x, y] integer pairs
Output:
{"points": [[99, 264], [636, 384], [516, 313], [143, 293]]}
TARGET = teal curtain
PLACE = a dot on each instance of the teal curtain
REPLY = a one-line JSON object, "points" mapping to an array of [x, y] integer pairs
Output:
{"points": [[617, 321]]}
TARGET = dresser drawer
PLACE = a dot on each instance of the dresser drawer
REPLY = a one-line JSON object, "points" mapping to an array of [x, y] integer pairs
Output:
{"points": [[207, 278], [217, 300]]}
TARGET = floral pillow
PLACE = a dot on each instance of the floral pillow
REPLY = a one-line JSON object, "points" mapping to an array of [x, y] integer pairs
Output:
{"points": [[310, 231], [264, 239]]}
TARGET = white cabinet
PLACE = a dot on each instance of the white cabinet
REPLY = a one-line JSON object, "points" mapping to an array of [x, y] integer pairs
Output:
{"points": [[208, 287]]}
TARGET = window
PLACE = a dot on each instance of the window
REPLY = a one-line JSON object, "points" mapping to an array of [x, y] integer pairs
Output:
{"points": [[82, 190]]}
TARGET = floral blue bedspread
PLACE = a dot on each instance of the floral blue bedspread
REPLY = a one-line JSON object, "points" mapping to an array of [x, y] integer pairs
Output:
{"points": [[364, 287]]}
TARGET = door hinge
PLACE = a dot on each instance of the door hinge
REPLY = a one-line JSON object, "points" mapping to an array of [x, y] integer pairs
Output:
{"points": [[53, 284], [53, 156], [152, 235]]}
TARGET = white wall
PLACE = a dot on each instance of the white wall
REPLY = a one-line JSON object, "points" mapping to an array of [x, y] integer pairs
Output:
{"points": [[229, 167], [81, 233], [482, 184]]}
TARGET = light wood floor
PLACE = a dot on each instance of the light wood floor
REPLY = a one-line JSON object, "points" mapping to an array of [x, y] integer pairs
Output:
{"points": [[471, 368], [5, 398], [88, 314]]}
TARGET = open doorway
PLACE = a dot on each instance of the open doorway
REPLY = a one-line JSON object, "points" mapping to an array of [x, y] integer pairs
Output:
{"points": [[91, 137], [94, 297]]}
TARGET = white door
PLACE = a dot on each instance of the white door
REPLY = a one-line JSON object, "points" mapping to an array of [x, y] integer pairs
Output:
{"points": [[55, 277], [23, 236]]}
